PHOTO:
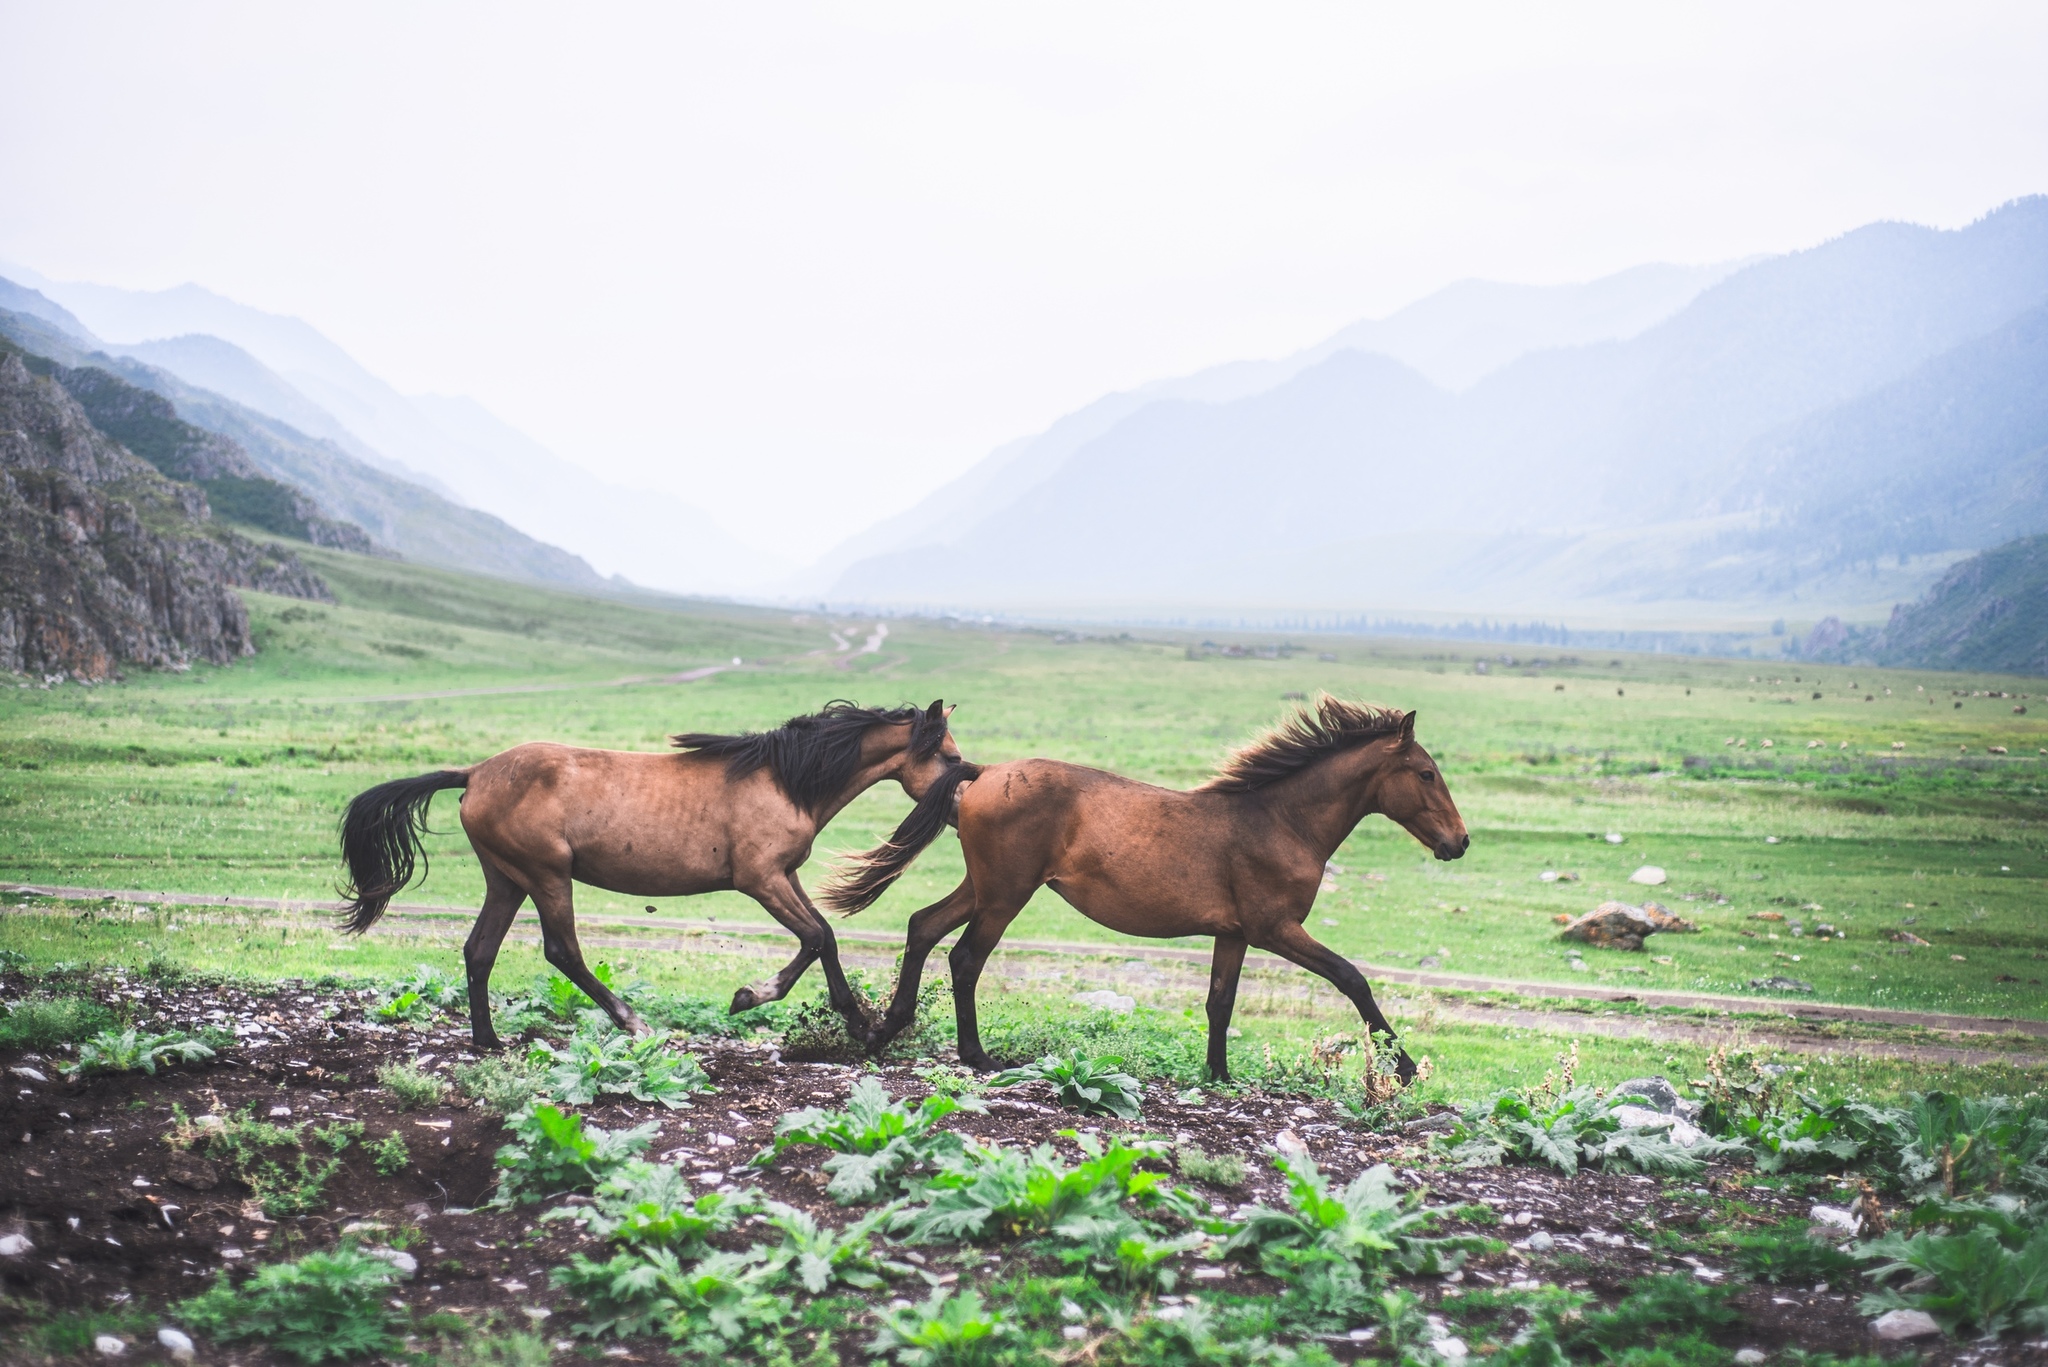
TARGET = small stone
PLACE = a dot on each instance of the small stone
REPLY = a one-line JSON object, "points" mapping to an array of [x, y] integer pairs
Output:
{"points": [[1106, 1000], [1835, 1221], [109, 1346], [1748, 1357], [14, 1245], [536, 1313], [1450, 1349], [1525, 1218], [1617, 925], [1894, 1325], [1290, 1143], [32, 1074], [406, 1264], [176, 1343], [1649, 875], [280, 1113], [1541, 1242], [1073, 1332]]}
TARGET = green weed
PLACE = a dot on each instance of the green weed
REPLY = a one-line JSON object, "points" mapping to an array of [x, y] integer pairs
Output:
{"points": [[603, 1061], [1218, 1170], [131, 1051], [51, 1022], [411, 1087], [554, 1152], [389, 1154], [503, 1083], [322, 1306], [947, 1329]]}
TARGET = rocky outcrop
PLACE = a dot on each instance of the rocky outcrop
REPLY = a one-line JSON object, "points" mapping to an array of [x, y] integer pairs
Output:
{"points": [[149, 426], [1617, 925], [105, 561]]}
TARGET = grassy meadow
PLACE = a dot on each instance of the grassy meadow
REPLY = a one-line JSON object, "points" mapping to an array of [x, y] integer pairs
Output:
{"points": [[229, 781]]}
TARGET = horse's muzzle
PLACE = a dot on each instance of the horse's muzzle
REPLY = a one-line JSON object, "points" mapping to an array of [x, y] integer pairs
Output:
{"points": [[1453, 847]]}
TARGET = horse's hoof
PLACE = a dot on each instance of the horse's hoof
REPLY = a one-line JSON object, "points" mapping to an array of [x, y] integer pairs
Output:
{"points": [[1405, 1069], [486, 1044], [743, 1000]]}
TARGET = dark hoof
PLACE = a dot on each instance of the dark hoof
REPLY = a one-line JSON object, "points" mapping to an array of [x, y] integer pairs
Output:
{"points": [[486, 1044], [1404, 1068], [980, 1063], [743, 1000]]}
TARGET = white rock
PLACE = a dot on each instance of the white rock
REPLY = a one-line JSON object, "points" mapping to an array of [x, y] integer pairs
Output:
{"points": [[176, 1343], [14, 1245], [1649, 875], [1541, 1242], [1106, 1000], [406, 1264], [280, 1112], [1074, 1332], [32, 1074], [1904, 1324], [1748, 1357], [1836, 1220], [1289, 1143], [1614, 837], [1450, 1349], [109, 1346], [1642, 1117]]}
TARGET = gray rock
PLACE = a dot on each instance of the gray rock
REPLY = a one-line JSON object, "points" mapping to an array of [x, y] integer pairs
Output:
{"points": [[14, 1245], [1654, 1092], [176, 1343], [1778, 984], [1895, 1325], [109, 1346], [406, 1264]]}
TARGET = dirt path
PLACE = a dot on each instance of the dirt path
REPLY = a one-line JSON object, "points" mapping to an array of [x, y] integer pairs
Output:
{"points": [[1797, 1027]]}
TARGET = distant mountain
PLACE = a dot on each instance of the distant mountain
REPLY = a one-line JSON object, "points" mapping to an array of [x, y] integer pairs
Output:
{"points": [[1630, 471], [289, 371], [1989, 612], [1452, 337], [105, 561], [396, 512]]}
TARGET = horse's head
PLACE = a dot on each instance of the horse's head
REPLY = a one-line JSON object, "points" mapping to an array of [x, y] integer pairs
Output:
{"points": [[1409, 789], [927, 751]]}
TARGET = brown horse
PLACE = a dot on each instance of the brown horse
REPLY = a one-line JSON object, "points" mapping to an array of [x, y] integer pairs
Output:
{"points": [[1239, 858], [729, 812]]}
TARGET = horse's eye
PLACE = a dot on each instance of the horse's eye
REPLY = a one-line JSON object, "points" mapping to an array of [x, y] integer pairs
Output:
{"points": [[1429, 775]]}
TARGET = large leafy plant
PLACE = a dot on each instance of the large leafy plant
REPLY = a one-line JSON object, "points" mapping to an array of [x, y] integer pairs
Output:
{"points": [[1335, 1248], [643, 1204], [130, 1051], [880, 1146], [953, 1328], [1978, 1265], [1092, 1086], [986, 1189], [1566, 1131], [605, 1062], [553, 1152]]}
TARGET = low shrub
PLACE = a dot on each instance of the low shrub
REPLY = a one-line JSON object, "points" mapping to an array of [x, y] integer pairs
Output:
{"points": [[948, 1328], [285, 1184], [411, 1087], [52, 1022], [986, 1189], [389, 1154], [322, 1306], [503, 1083], [1218, 1170]]}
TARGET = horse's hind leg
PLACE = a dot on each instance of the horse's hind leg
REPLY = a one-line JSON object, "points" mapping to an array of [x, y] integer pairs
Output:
{"points": [[1291, 942], [970, 953], [554, 900], [927, 927], [1224, 967], [502, 900]]}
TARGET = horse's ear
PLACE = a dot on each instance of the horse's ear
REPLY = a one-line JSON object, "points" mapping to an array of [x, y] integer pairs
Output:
{"points": [[952, 709], [1408, 729], [937, 711]]}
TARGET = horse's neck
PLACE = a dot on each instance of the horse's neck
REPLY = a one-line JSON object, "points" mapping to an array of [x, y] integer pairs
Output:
{"points": [[1324, 803], [866, 777]]}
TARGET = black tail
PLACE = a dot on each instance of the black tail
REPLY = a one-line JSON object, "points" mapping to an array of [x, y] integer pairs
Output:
{"points": [[380, 840], [861, 878]]}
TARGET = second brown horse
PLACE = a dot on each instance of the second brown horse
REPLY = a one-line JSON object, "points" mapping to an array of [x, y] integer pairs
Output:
{"points": [[1239, 858]]}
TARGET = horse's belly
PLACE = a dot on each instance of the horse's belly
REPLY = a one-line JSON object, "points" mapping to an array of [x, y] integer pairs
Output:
{"points": [[653, 871], [1135, 913]]}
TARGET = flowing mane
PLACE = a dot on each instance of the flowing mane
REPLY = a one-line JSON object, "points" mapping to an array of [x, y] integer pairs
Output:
{"points": [[1304, 739], [812, 758]]}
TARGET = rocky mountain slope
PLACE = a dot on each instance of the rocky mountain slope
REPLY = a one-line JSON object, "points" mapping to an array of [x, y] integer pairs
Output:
{"points": [[1989, 612], [397, 512], [104, 560]]}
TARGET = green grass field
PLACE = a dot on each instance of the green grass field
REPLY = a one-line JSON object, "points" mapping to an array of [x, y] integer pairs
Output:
{"points": [[230, 780]]}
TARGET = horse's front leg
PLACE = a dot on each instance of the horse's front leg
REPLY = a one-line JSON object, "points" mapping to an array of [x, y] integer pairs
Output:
{"points": [[783, 898], [927, 928]]}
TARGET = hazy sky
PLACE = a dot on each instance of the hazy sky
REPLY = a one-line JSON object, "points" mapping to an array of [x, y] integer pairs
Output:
{"points": [[813, 260]]}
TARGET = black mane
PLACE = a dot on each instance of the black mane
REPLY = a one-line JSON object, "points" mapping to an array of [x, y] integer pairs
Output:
{"points": [[1304, 739], [813, 758]]}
